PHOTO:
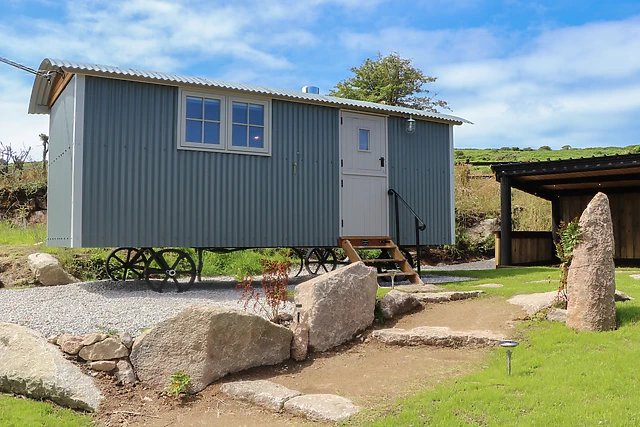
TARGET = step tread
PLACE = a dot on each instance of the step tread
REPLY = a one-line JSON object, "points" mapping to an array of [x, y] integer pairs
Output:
{"points": [[399, 273], [380, 260]]}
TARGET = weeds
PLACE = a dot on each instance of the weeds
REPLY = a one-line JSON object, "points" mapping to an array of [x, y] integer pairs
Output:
{"points": [[275, 281], [569, 235], [178, 384]]}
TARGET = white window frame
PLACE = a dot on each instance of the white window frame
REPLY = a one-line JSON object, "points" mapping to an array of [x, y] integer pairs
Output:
{"points": [[226, 128]]}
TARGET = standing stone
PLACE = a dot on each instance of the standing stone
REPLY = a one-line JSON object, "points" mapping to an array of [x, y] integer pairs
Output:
{"points": [[591, 281], [337, 305], [47, 270], [300, 342], [208, 343], [29, 365]]}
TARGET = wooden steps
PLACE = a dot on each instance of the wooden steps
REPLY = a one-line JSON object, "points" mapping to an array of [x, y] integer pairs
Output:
{"points": [[391, 258]]}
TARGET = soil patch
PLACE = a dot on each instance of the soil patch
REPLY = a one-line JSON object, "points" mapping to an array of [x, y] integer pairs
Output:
{"points": [[14, 268], [372, 375]]}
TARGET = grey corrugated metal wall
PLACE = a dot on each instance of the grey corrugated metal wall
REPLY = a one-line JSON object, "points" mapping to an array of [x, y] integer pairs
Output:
{"points": [[60, 168], [139, 190], [420, 170]]}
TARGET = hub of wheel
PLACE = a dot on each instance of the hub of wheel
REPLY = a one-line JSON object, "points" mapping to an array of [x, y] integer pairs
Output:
{"points": [[171, 273]]}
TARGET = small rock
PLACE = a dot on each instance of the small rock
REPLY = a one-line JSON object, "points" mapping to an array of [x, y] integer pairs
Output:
{"points": [[395, 303], [321, 407], [263, 393], [621, 296], [300, 342], [103, 365], [53, 340], [104, 350], [125, 374], [557, 315], [126, 339], [93, 338], [147, 399], [47, 270], [70, 344]]}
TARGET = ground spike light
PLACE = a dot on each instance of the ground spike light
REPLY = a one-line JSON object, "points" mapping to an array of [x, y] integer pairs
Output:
{"points": [[508, 345]]}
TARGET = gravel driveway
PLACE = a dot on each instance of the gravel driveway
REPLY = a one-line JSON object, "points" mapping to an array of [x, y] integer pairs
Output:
{"points": [[82, 308]]}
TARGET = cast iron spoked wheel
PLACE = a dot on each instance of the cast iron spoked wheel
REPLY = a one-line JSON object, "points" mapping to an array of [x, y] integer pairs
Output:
{"points": [[170, 266], [320, 260], [408, 257], [126, 264], [296, 266], [385, 266]]}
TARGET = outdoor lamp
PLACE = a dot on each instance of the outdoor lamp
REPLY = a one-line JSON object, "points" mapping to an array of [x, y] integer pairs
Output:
{"points": [[411, 125], [508, 345]]}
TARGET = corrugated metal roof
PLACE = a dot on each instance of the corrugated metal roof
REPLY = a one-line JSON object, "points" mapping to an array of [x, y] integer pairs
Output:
{"points": [[41, 88]]}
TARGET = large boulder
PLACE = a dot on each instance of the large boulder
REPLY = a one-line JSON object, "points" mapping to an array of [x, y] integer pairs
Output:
{"points": [[337, 305], [47, 270], [207, 343], [591, 283], [29, 365]]}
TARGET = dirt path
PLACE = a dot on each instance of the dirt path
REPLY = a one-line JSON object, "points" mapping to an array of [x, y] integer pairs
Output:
{"points": [[370, 374]]}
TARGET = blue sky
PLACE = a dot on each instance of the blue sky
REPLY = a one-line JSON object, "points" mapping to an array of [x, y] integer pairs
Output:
{"points": [[527, 73]]}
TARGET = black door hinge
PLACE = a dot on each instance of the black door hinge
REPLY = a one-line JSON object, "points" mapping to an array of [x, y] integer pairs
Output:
{"points": [[342, 222], [341, 183], [340, 120], [341, 163]]}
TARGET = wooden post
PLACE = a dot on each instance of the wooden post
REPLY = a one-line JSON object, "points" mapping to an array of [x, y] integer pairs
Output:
{"points": [[555, 218], [505, 221], [555, 225]]}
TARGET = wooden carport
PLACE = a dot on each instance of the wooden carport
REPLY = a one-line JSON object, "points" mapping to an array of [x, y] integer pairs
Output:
{"points": [[569, 185]]}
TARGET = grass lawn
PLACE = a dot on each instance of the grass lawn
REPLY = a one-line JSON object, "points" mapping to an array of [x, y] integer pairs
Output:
{"points": [[19, 412], [560, 377]]}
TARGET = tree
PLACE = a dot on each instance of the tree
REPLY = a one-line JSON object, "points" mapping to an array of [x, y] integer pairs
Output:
{"points": [[390, 80]]}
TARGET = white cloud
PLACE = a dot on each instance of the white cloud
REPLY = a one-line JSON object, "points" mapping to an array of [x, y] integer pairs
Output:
{"points": [[575, 85]]}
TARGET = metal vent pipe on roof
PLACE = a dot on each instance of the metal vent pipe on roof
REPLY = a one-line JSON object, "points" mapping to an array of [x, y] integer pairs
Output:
{"points": [[311, 89]]}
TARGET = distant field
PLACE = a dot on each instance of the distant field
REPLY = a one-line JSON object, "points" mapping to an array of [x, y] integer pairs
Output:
{"points": [[508, 154]]}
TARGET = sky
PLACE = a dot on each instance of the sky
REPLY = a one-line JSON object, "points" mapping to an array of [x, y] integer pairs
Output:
{"points": [[526, 73]]}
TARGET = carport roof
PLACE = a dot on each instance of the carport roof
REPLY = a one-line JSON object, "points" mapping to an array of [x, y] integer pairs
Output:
{"points": [[555, 178]]}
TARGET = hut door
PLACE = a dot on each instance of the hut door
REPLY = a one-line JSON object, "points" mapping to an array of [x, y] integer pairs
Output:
{"points": [[363, 181]]}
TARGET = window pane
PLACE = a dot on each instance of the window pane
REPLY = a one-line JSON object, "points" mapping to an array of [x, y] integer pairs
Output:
{"points": [[239, 112], [256, 114], [212, 109], [256, 137], [194, 131], [211, 133], [194, 108], [363, 139], [239, 136]]}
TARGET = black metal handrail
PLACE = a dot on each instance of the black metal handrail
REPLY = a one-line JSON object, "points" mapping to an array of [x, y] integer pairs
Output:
{"points": [[420, 225]]}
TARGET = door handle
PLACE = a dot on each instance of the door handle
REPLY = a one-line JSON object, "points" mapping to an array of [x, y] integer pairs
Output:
{"points": [[381, 162]]}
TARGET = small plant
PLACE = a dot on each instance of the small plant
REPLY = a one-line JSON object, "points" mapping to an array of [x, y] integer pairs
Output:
{"points": [[178, 383], [275, 281], [569, 235]]}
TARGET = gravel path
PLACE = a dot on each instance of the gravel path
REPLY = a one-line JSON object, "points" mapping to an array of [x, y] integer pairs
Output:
{"points": [[82, 308]]}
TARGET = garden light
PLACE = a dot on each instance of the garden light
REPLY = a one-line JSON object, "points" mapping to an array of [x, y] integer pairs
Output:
{"points": [[508, 345]]}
